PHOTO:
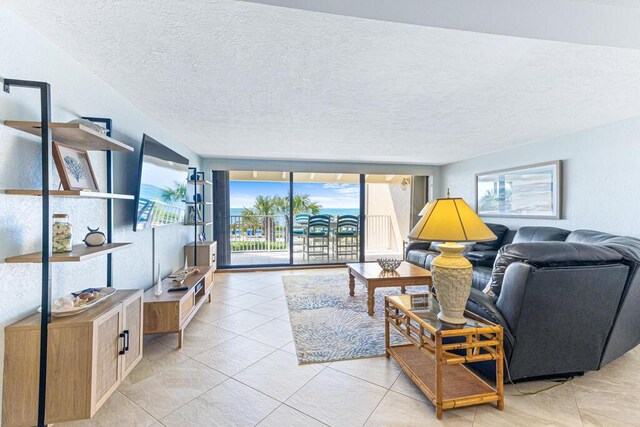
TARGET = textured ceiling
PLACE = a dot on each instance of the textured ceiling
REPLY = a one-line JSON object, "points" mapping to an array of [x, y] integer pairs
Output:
{"points": [[236, 79]]}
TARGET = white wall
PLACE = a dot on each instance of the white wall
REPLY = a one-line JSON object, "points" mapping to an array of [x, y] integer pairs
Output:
{"points": [[601, 177], [25, 54]]}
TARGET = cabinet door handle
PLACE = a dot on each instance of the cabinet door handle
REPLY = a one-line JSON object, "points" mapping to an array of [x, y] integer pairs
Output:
{"points": [[122, 351], [126, 340]]}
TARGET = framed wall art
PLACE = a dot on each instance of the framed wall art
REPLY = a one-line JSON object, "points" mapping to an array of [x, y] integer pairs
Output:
{"points": [[533, 191], [74, 167]]}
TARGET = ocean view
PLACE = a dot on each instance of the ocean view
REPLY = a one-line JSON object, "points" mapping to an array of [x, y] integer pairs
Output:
{"points": [[329, 211]]}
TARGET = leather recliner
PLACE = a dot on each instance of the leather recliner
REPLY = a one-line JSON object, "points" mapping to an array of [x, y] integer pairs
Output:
{"points": [[566, 306]]}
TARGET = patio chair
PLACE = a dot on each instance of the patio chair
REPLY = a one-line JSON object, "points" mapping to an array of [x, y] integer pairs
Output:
{"points": [[301, 222], [318, 236], [259, 233], [347, 237]]}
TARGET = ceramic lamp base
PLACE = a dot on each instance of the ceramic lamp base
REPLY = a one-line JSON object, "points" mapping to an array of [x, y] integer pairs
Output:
{"points": [[451, 274]]}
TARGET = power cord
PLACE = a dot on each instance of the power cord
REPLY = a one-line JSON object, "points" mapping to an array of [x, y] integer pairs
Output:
{"points": [[558, 383]]}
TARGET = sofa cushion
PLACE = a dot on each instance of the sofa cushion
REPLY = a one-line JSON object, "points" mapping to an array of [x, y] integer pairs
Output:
{"points": [[540, 234], [499, 230], [418, 257], [548, 254], [481, 277]]}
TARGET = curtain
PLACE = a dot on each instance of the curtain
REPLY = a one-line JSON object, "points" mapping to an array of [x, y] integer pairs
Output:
{"points": [[419, 196], [221, 226]]}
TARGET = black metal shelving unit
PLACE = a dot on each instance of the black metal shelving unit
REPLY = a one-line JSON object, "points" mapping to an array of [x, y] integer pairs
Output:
{"points": [[46, 253], [197, 179]]}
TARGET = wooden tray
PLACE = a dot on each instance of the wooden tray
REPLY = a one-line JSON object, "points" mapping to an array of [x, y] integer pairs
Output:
{"points": [[104, 294]]}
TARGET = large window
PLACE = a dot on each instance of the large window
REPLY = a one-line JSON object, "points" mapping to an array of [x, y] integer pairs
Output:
{"points": [[326, 226], [259, 218], [270, 218]]}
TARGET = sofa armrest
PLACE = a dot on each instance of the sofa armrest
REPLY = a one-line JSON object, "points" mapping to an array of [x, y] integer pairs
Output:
{"points": [[483, 305], [483, 255]]}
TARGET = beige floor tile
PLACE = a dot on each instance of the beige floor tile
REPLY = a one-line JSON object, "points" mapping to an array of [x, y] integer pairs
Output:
{"points": [[230, 404], [378, 370], [404, 385], [198, 337], [273, 308], [271, 291], [248, 286], [278, 375], [289, 417], [594, 418], [117, 411], [555, 407], [213, 311], [228, 279], [165, 392], [221, 293], [246, 300], [398, 410], [234, 355], [275, 333], [289, 347], [242, 321], [337, 399], [613, 390], [157, 358]]}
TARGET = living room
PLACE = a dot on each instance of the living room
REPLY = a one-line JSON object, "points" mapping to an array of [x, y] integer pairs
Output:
{"points": [[297, 213]]}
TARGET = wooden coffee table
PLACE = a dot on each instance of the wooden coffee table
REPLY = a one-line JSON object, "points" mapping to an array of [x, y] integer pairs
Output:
{"points": [[372, 275]]}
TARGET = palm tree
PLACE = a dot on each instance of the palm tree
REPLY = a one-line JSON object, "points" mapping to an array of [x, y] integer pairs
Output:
{"points": [[175, 194], [265, 207], [301, 204]]}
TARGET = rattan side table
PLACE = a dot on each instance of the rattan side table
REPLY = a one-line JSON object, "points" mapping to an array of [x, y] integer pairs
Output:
{"points": [[437, 353]]}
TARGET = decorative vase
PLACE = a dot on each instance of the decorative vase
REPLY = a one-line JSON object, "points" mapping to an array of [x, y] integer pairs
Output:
{"points": [[451, 274], [94, 237], [186, 264], [158, 290]]}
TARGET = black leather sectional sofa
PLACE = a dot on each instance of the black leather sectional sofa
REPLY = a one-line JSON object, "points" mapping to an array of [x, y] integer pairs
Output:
{"points": [[569, 302]]}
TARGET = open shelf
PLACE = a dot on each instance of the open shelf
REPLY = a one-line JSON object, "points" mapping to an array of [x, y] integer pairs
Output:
{"points": [[75, 134], [71, 193], [199, 182], [78, 253]]}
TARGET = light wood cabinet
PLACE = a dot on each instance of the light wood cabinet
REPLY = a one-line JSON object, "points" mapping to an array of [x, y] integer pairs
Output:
{"points": [[89, 354], [206, 254], [171, 312]]}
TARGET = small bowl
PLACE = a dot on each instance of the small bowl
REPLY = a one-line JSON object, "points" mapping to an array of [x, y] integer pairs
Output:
{"points": [[389, 264]]}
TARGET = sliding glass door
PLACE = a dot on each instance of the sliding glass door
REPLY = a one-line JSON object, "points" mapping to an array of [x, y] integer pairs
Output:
{"points": [[258, 218], [326, 218], [275, 218], [388, 215]]}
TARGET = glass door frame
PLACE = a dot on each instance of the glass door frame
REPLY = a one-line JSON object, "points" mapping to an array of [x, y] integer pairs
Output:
{"points": [[362, 225]]}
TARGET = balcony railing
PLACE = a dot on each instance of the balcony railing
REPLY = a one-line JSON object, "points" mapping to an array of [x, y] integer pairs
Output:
{"points": [[270, 233], [259, 233]]}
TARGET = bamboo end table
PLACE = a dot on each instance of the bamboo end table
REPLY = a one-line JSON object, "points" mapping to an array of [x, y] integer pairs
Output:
{"points": [[436, 355]]}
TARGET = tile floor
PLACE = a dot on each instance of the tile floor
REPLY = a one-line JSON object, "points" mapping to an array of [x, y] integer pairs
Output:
{"points": [[238, 368]]}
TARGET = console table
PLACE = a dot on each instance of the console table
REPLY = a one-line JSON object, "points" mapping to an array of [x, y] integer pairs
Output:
{"points": [[436, 355], [171, 312]]}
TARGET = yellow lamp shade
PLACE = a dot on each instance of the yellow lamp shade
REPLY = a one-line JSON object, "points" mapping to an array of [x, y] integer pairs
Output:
{"points": [[451, 220]]}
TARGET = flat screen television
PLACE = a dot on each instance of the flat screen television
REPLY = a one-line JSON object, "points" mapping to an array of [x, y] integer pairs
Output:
{"points": [[162, 186]]}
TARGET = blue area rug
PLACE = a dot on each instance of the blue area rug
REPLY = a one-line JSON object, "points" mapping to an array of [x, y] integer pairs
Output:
{"points": [[329, 325]]}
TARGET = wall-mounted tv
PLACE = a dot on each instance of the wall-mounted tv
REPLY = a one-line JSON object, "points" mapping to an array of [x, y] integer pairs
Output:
{"points": [[162, 186]]}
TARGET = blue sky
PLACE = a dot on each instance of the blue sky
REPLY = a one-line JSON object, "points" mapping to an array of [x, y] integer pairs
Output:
{"points": [[328, 195]]}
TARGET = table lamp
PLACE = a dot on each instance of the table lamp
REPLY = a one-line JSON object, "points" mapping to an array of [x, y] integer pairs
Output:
{"points": [[451, 220]]}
